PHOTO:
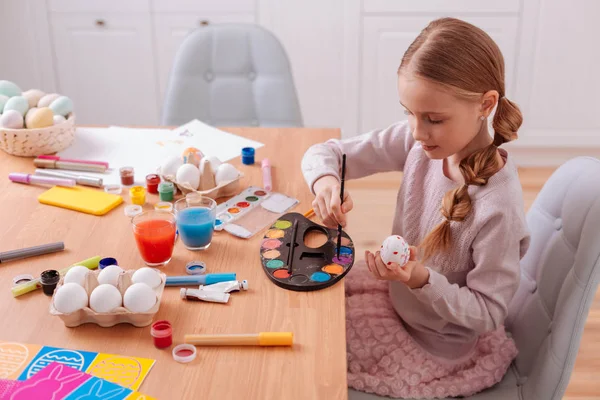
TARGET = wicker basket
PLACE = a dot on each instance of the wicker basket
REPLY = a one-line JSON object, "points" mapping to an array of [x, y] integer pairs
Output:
{"points": [[35, 142]]}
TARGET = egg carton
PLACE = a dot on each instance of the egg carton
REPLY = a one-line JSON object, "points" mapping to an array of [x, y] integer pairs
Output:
{"points": [[120, 315], [225, 189]]}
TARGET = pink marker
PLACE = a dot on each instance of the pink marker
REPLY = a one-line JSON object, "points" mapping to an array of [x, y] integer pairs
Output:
{"points": [[40, 180], [57, 158], [266, 170]]}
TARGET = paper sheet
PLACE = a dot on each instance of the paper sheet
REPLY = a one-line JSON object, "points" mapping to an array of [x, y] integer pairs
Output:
{"points": [[145, 149]]}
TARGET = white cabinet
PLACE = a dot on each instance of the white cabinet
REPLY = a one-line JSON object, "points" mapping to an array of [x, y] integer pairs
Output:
{"points": [[171, 29], [105, 63], [384, 41]]}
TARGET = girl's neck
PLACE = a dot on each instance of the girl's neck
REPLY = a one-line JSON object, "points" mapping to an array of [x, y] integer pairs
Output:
{"points": [[480, 141]]}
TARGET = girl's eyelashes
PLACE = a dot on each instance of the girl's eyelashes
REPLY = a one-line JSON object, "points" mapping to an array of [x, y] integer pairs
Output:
{"points": [[431, 121]]}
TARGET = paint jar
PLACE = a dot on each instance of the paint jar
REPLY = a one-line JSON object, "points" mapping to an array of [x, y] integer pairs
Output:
{"points": [[152, 182], [127, 176], [248, 155], [49, 279], [164, 206], [108, 261], [162, 334], [196, 221], [138, 195], [166, 190], [154, 233]]}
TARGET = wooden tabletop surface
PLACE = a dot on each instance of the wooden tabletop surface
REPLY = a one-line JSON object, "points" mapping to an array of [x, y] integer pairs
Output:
{"points": [[314, 368]]}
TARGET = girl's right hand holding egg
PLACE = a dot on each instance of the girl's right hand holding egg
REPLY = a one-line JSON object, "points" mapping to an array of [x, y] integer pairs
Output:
{"points": [[327, 204]]}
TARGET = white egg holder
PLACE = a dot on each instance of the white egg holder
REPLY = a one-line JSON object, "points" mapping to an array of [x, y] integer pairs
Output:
{"points": [[225, 189], [121, 315]]}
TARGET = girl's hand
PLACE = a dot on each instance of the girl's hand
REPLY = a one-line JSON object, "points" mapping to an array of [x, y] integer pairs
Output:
{"points": [[327, 204], [413, 274]]}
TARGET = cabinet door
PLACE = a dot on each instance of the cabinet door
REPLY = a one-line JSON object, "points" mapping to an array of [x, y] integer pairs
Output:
{"points": [[105, 63], [385, 39], [172, 29]]}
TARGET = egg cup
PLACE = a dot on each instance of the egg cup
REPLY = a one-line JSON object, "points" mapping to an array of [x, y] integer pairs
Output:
{"points": [[118, 316]]}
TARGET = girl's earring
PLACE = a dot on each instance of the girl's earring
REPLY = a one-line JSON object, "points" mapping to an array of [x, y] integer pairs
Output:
{"points": [[482, 117]]}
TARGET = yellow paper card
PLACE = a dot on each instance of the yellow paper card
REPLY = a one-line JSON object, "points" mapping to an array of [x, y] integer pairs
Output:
{"points": [[14, 357], [125, 371], [139, 396]]}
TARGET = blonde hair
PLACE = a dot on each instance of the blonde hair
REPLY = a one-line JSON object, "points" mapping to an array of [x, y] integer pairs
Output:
{"points": [[465, 60]]}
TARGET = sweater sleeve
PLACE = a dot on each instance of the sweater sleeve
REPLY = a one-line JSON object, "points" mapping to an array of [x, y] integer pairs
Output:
{"points": [[366, 154], [481, 305]]}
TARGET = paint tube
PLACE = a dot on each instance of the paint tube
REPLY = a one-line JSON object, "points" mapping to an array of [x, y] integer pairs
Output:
{"points": [[204, 295], [226, 287]]}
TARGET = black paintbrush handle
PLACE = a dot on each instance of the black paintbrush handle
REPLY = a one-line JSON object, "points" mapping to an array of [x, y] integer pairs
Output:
{"points": [[339, 238], [292, 246]]}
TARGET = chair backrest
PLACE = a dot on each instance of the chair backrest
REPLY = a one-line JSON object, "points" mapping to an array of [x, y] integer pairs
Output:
{"points": [[232, 75], [559, 278]]}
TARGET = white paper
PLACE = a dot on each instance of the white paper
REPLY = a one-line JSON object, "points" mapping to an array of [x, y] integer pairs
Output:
{"points": [[145, 149]]}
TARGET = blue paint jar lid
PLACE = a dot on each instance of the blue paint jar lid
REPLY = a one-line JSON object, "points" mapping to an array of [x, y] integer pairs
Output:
{"points": [[195, 268], [106, 262], [248, 155]]}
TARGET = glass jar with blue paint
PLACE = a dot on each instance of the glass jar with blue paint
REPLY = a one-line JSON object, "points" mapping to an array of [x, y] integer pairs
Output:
{"points": [[196, 221]]}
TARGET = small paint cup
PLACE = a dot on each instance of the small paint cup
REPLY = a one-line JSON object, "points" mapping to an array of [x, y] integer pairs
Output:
{"points": [[108, 261], [166, 191], [138, 195], [162, 334], [127, 176], [152, 182], [49, 279], [248, 155]]}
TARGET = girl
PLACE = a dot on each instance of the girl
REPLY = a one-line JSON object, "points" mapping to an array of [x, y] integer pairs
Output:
{"points": [[434, 328]]}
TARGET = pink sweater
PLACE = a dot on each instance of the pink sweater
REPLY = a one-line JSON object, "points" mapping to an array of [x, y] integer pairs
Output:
{"points": [[470, 287]]}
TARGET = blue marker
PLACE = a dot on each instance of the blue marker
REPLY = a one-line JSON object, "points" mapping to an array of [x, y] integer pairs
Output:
{"points": [[193, 280]]}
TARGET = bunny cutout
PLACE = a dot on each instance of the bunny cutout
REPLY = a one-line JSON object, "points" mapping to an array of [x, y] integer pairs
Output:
{"points": [[46, 388], [111, 394]]}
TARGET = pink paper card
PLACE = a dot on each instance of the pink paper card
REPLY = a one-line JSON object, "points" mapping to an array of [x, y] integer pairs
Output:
{"points": [[7, 387], [54, 382]]}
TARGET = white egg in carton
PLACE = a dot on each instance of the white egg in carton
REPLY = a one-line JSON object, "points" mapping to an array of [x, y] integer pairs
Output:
{"points": [[117, 316], [210, 178]]}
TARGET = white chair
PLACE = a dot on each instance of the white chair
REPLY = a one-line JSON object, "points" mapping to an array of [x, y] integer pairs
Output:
{"points": [[232, 75], [559, 279]]}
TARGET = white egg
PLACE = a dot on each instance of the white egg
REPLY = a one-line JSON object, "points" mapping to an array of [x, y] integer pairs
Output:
{"points": [[147, 275], [139, 297], [33, 96], [395, 250], [188, 174], [214, 162], [70, 297], [77, 275], [105, 298], [11, 119], [225, 173], [110, 275], [58, 119], [171, 165]]}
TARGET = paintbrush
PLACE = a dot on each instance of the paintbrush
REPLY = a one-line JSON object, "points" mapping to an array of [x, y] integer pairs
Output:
{"points": [[339, 238], [292, 246]]}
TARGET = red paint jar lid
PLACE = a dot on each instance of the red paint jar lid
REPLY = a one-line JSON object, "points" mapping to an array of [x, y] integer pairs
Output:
{"points": [[161, 329], [153, 179]]}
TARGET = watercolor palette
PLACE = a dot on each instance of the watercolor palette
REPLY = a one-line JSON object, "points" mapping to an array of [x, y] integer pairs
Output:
{"points": [[312, 268], [239, 206]]}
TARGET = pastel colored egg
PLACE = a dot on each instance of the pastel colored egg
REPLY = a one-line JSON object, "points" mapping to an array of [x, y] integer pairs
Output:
{"points": [[11, 119], [59, 119], [9, 89], [17, 103], [41, 118], [33, 96], [61, 106], [29, 115], [48, 99], [3, 100]]}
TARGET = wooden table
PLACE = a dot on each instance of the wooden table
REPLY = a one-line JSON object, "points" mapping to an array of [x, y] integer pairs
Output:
{"points": [[314, 368]]}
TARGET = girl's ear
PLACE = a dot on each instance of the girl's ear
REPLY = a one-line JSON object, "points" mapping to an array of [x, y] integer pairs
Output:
{"points": [[488, 102]]}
